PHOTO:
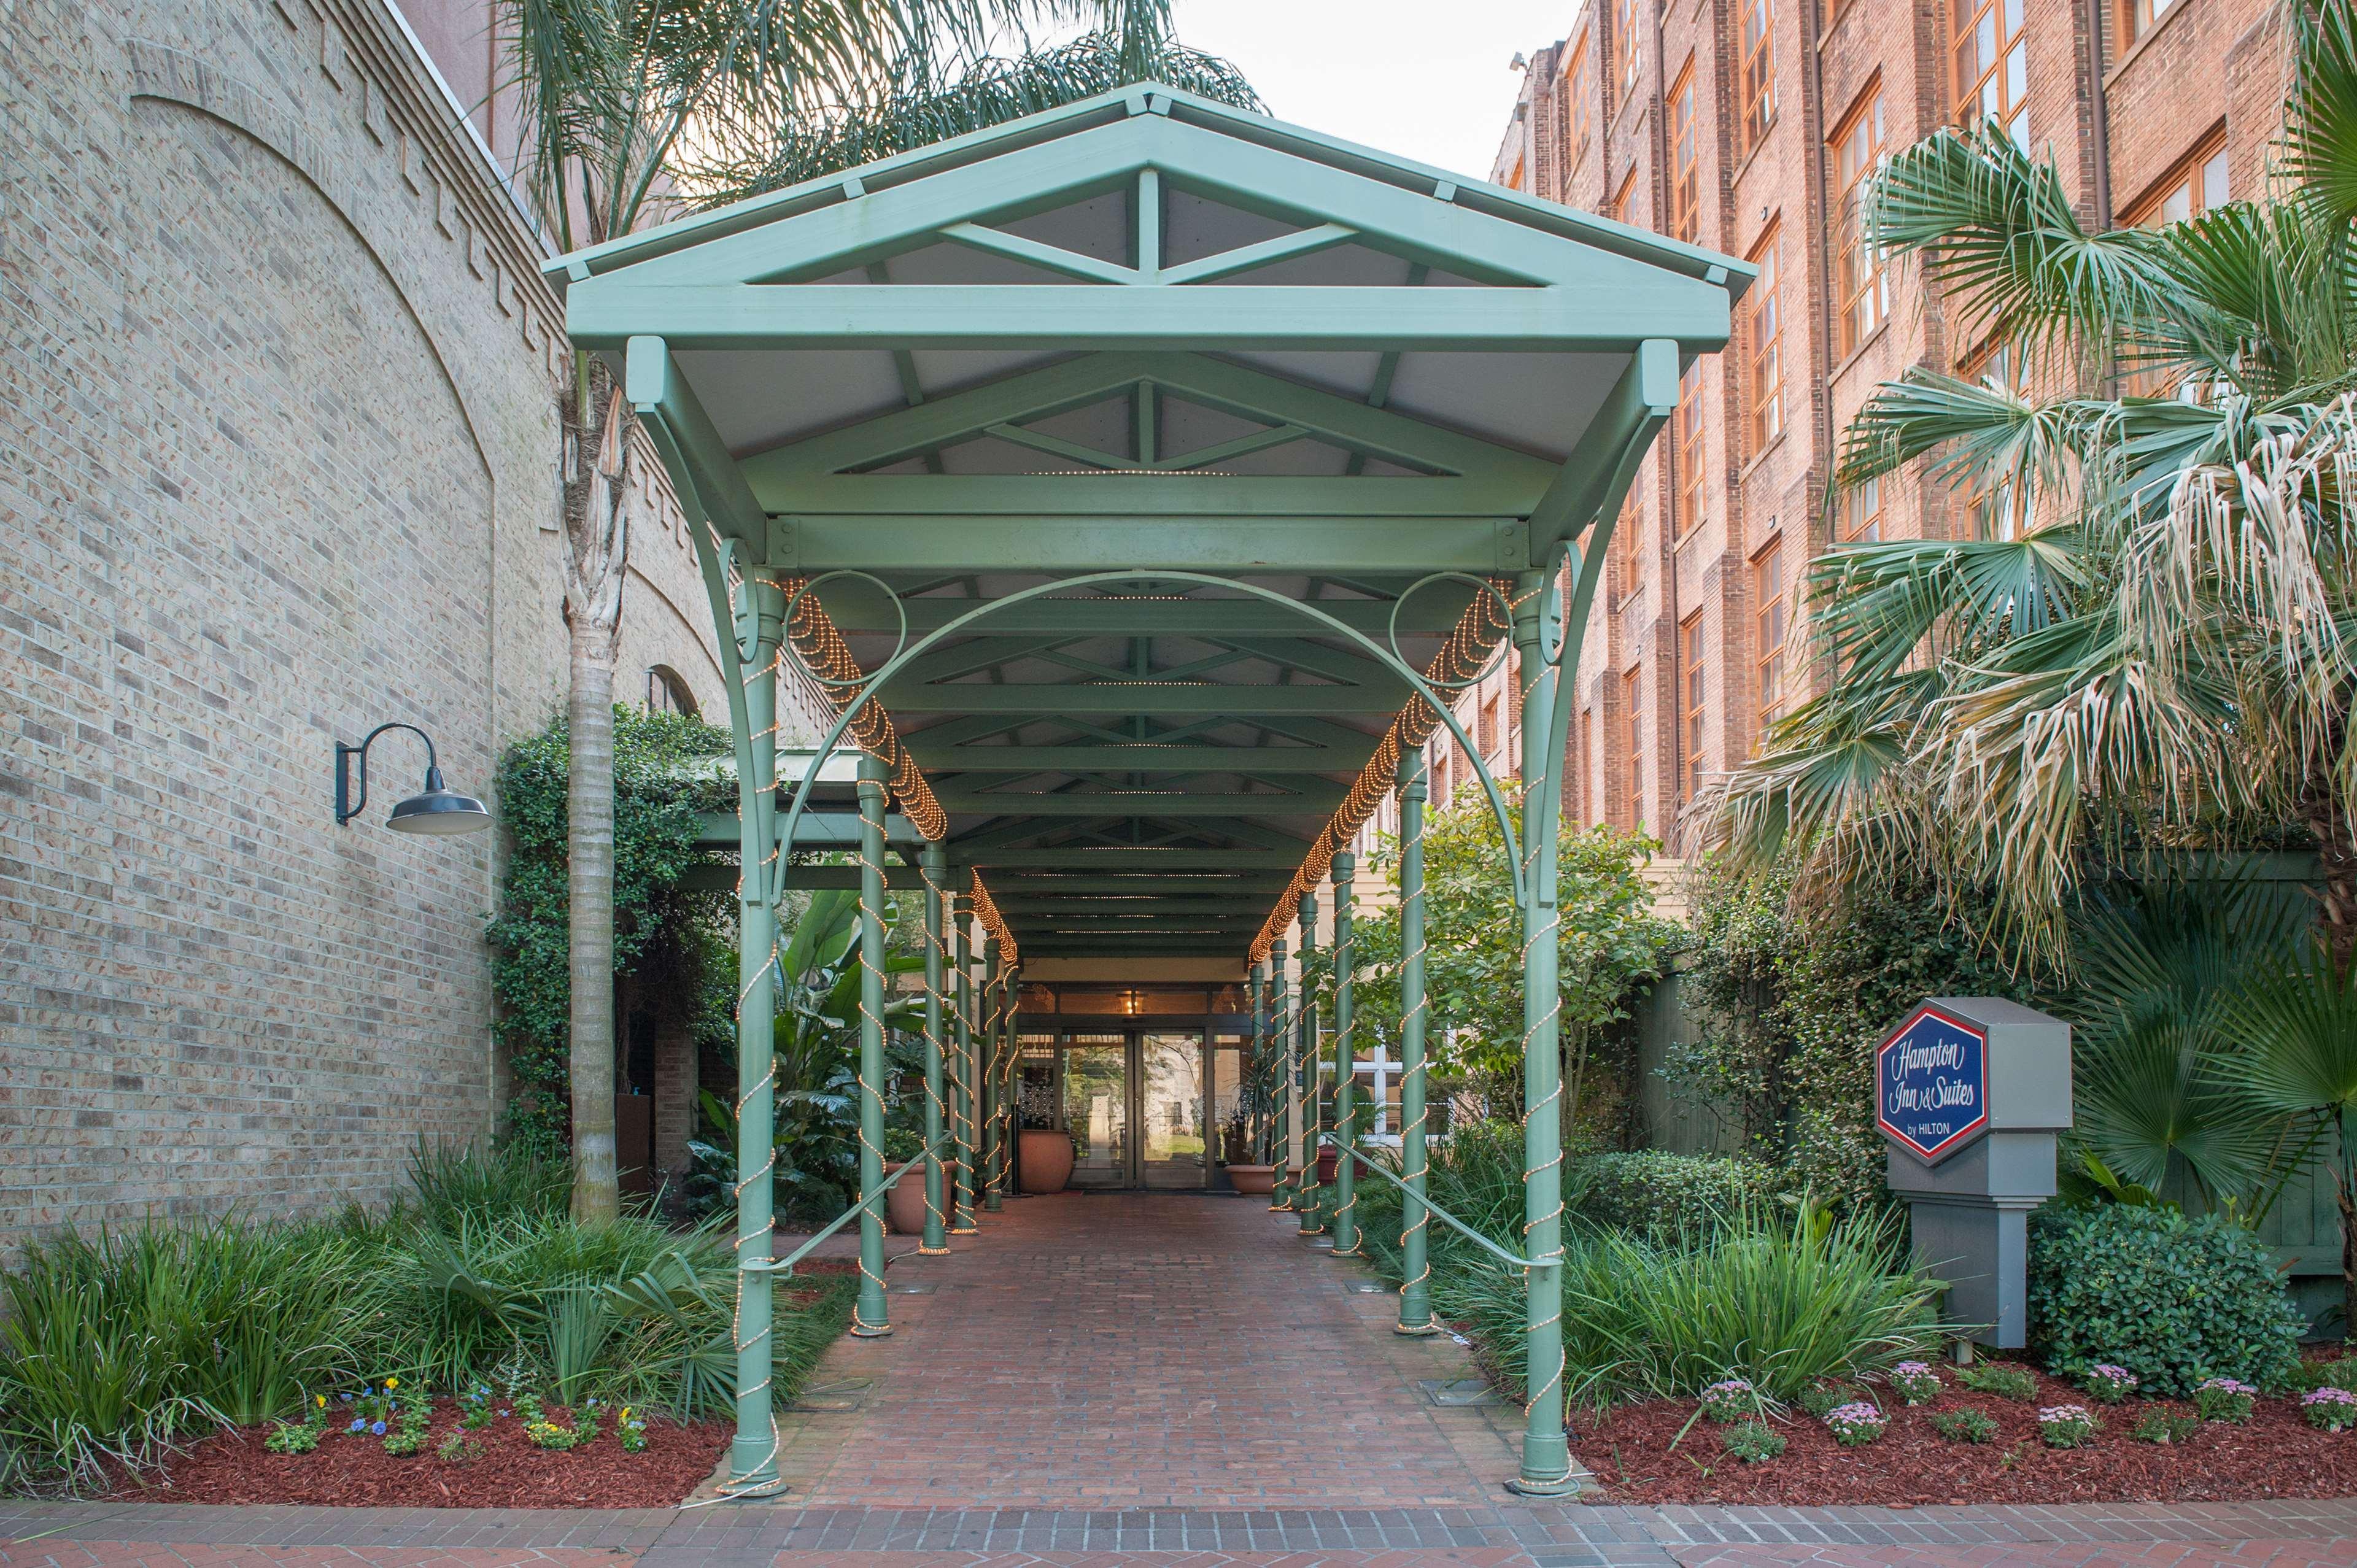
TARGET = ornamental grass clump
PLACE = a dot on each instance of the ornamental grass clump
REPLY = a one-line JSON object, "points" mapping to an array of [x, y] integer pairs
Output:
{"points": [[2108, 1383], [2329, 1409], [1856, 1424], [1778, 1301], [1915, 1382], [2005, 1382], [2224, 1399], [2066, 1425], [2157, 1424]]}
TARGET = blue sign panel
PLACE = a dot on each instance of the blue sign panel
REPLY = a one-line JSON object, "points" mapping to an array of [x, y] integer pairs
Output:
{"points": [[1932, 1073]]}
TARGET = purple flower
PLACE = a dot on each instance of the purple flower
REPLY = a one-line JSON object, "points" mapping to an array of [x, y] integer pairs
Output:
{"points": [[2328, 1395]]}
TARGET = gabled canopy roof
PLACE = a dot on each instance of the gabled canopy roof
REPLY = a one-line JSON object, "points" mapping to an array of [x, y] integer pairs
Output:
{"points": [[1150, 332]]}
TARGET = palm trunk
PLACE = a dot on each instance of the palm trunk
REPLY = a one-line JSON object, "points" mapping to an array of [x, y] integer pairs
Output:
{"points": [[2322, 813], [596, 538], [590, 865]]}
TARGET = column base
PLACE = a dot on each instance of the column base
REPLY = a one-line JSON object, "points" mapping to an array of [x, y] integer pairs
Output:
{"points": [[1415, 1330], [870, 1330], [966, 1230], [933, 1251], [1567, 1485]]}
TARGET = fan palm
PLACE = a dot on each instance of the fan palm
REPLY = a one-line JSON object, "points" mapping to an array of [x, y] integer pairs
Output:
{"points": [[2166, 649], [2295, 1025], [632, 109]]}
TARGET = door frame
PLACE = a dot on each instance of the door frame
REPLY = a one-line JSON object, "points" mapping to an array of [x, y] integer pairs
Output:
{"points": [[1134, 1036]]}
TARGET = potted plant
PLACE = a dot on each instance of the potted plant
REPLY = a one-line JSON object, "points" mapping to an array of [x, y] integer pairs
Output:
{"points": [[904, 1205], [1235, 1148]]}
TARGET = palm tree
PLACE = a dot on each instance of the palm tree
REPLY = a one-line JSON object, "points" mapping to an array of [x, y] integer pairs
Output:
{"points": [[635, 109], [2165, 651]]}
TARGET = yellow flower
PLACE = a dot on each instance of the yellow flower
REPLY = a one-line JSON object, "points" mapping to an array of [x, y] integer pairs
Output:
{"points": [[393, 1382], [322, 1400]]}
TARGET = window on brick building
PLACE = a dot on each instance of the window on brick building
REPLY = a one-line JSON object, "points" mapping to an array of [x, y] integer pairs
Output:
{"points": [[1763, 346], [1685, 155], [2196, 185], [1579, 88], [1756, 75], [1688, 425], [1631, 689], [1996, 509], [1618, 209], [1628, 52], [2141, 15], [1772, 605], [1625, 541], [1485, 728], [1695, 676], [1862, 291], [1861, 512], [668, 692], [1992, 58]]}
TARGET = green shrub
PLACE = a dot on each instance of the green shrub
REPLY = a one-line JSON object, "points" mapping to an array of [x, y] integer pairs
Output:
{"points": [[2157, 1424], [1773, 1299], [1667, 1196], [1754, 1442], [2005, 1382], [1476, 1174], [2173, 1300], [116, 1346], [1966, 1426]]}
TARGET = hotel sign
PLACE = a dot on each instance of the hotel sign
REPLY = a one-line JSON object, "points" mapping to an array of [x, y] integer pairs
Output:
{"points": [[1933, 1078]]}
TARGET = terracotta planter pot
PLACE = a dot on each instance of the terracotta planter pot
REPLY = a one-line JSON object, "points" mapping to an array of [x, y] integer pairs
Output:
{"points": [[1253, 1181], [1326, 1162], [1043, 1160], [904, 1206]]}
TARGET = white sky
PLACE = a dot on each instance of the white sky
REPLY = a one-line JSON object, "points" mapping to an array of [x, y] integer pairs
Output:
{"points": [[1425, 78]]}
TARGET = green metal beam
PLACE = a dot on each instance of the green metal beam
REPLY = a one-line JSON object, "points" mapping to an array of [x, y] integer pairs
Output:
{"points": [[1146, 697], [855, 606], [1585, 317], [1615, 440], [1020, 885], [1087, 857], [1095, 540], [1140, 758], [1136, 803]]}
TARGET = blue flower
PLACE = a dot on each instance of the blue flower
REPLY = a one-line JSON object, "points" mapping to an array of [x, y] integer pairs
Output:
{"points": [[346, 1398], [378, 1428], [355, 1425]]}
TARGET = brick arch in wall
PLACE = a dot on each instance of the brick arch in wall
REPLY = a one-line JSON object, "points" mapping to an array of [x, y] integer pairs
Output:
{"points": [[333, 514]]}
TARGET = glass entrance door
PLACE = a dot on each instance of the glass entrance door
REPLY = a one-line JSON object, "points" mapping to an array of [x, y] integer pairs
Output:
{"points": [[1171, 1120], [1096, 1108]]}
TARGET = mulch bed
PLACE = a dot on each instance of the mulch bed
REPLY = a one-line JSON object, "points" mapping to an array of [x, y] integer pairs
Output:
{"points": [[2276, 1454], [354, 1470]]}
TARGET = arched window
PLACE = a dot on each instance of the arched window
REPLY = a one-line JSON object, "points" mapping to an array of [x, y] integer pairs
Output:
{"points": [[668, 692]]}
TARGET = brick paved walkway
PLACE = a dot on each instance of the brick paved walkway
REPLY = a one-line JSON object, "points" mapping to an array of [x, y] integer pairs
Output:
{"points": [[1136, 1350], [1158, 1382]]}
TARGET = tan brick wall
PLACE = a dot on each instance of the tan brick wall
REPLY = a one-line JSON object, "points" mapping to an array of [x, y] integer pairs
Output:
{"points": [[280, 467]]}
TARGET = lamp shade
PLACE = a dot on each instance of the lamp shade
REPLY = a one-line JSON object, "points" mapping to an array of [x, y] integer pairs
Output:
{"points": [[439, 810]]}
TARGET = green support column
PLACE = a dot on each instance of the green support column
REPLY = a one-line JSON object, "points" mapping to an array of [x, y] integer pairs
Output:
{"points": [[992, 976], [869, 1316], [1346, 1223], [964, 1090], [1250, 1079], [1546, 1448], [1010, 1096], [753, 1457], [1415, 1267], [1307, 1197], [1285, 1143], [934, 865]]}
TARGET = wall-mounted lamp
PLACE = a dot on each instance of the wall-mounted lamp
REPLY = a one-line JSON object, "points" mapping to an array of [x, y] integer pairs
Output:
{"points": [[438, 810]]}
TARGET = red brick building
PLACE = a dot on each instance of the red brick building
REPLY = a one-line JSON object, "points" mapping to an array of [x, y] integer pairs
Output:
{"points": [[1746, 126]]}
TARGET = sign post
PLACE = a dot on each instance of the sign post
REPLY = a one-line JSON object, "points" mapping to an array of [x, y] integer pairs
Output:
{"points": [[1971, 1095]]}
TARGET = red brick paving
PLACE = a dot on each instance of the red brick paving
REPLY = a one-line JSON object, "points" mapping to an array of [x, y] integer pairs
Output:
{"points": [[148, 1555], [1137, 1350], [2043, 1554]]}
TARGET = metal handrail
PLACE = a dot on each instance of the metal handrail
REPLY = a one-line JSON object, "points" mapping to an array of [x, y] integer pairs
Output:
{"points": [[785, 1265], [1556, 1261]]}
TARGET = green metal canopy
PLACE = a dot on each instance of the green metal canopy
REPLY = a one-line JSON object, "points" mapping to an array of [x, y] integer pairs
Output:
{"points": [[1147, 331], [1136, 481]]}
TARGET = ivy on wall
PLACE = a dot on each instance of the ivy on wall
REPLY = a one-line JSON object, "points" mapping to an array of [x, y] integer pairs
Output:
{"points": [[1791, 999], [667, 936]]}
